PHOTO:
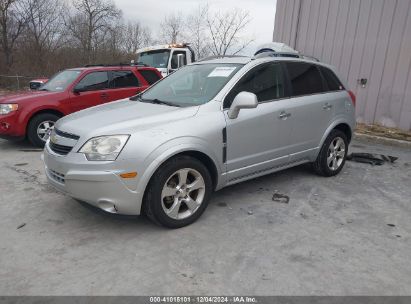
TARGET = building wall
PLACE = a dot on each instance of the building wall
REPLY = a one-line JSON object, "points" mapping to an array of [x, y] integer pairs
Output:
{"points": [[363, 39]]}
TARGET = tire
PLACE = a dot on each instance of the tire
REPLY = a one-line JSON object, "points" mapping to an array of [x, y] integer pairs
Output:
{"points": [[40, 121], [330, 162], [188, 203]]}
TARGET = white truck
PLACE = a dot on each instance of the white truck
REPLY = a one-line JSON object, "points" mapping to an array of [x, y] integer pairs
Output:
{"points": [[166, 58]]}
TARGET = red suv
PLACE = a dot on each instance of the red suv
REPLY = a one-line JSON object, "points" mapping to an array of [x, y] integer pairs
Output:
{"points": [[33, 114]]}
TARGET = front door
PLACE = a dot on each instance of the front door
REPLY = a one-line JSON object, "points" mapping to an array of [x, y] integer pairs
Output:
{"points": [[94, 91], [258, 139]]}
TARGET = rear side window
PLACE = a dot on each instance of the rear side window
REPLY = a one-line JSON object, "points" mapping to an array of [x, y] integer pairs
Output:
{"points": [[305, 78], [94, 81], [266, 81], [123, 79], [150, 76], [332, 81]]}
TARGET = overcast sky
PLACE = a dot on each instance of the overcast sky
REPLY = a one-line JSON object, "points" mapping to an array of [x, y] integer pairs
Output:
{"points": [[152, 12]]}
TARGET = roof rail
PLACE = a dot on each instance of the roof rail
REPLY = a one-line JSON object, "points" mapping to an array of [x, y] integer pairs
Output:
{"points": [[118, 64], [284, 54], [220, 57], [275, 54], [310, 58]]}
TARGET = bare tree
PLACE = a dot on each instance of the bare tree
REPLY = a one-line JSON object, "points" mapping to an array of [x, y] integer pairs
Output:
{"points": [[135, 36], [89, 30], [172, 28], [91, 22], [110, 50], [225, 30], [197, 31], [12, 22], [44, 27]]}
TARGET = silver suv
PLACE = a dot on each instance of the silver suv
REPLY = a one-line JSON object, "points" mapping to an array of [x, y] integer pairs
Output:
{"points": [[209, 125]]}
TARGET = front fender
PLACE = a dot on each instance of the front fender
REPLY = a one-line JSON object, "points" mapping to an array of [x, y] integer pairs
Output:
{"points": [[173, 147], [29, 113]]}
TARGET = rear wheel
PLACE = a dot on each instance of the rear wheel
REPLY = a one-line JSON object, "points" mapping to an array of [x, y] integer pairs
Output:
{"points": [[39, 126], [333, 153], [178, 192]]}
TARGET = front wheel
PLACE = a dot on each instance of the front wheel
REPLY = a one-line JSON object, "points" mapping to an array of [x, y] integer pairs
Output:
{"points": [[333, 154], [178, 192], [39, 126]]}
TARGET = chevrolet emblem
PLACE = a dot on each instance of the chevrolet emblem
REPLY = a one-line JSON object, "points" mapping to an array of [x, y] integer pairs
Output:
{"points": [[53, 138]]}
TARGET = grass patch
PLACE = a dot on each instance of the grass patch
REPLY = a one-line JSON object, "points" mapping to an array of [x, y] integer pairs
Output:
{"points": [[381, 131]]}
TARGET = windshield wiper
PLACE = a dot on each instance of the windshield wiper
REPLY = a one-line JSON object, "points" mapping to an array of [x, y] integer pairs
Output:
{"points": [[135, 97], [158, 101], [43, 89], [163, 102]]}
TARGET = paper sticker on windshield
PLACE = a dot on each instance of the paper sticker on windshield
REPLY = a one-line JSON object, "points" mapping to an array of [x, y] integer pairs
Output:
{"points": [[222, 72]]}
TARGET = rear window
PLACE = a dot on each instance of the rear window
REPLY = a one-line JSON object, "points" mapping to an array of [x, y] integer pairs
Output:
{"points": [[305, 78], [332, 81], [123, 79], [150, 76]]}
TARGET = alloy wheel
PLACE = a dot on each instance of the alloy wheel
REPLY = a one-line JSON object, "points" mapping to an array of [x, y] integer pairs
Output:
{"points": [[44, 128], [183, 193], [336, 153]]}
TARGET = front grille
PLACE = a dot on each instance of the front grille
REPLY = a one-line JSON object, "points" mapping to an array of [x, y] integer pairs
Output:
{"points": [[59, 149], [57, 176], [65, 134]]}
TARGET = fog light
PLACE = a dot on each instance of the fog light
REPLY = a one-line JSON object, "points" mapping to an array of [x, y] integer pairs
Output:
{"points": [[5, 125]]}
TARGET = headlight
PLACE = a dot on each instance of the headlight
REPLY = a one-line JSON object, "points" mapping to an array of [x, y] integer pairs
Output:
{"points": [[7, 108], [104, 148]]}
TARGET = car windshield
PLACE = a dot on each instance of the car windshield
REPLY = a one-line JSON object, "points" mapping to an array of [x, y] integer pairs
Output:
{"points": [[191, 85], [60, 81], [157, 59]]}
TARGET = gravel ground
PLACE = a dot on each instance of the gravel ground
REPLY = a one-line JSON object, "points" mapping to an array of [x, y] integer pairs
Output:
{"points": [[350, 234]]}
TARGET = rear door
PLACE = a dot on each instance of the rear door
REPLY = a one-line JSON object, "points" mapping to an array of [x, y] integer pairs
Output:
{"points": [[258, 139], [95, 91], [123, 84], [310, 107]]}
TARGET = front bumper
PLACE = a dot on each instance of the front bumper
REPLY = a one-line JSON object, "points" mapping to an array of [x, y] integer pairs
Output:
{"points": [[96, 183], [10, 127]]}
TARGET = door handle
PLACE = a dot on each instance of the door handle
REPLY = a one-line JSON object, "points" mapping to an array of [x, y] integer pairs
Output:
{"points": [[104, 95], [327, 106], [283, 115]]}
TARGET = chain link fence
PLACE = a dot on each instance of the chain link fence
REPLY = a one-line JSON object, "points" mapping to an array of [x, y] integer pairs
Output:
{"points": [[15, 82]]}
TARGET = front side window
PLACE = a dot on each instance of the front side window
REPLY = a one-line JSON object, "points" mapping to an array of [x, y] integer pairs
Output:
{"points": [[93, 81], [174, 59], [305, 78], [193, 84], [60, 81], [123, 79], [157, 59], [265, 81]]}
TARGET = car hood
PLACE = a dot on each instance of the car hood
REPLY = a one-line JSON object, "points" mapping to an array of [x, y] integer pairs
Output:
{"points": [[24, 97], [121, 117]]}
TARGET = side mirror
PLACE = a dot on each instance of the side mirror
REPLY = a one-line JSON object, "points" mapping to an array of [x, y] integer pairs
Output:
{"points": [[244, 100], [180, 60]]}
